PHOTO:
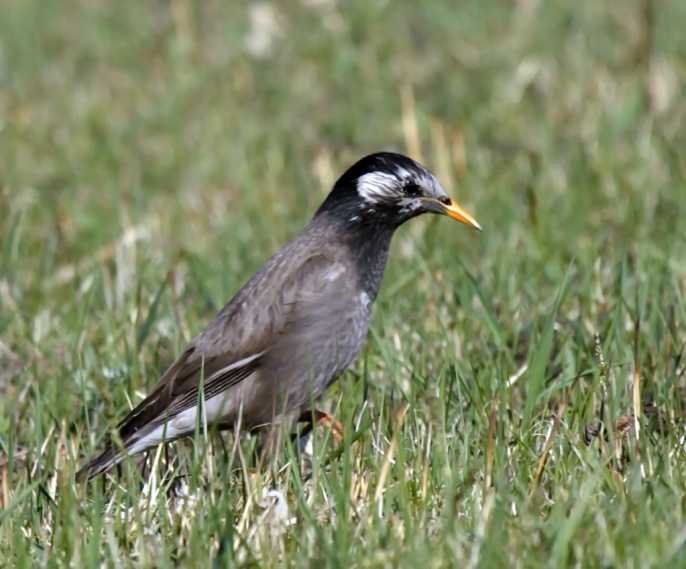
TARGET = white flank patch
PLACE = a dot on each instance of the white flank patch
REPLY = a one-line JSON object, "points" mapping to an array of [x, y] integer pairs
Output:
{"points": [[364, 299], [153, 438], [184, 422]]}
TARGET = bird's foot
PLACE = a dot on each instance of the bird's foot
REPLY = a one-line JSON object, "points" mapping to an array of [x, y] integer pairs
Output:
{"points": [[314, 419]]}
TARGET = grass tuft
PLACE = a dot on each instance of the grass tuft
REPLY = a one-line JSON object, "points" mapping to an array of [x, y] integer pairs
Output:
{"points": [[520, 401]]}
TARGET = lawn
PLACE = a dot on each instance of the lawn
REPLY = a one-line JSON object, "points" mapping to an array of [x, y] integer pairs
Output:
{"points": [[521, 398]]}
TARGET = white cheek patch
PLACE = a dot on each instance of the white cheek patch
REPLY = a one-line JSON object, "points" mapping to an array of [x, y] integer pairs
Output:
{"points": [[378, 187]]}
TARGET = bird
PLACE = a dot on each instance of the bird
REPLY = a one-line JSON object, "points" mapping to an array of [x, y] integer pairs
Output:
{"points": [[296, 325]]}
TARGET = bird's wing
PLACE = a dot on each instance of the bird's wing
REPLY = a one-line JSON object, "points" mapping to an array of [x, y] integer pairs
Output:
{"points": [[234, 345], [178, 388]]}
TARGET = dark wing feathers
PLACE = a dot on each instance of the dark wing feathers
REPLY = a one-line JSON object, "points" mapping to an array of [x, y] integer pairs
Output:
{"points": [[214, 385]]}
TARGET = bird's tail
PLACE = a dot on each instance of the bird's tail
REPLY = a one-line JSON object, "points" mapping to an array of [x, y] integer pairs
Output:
{"points": [[114, 453], [129, 443], [104, 461]]}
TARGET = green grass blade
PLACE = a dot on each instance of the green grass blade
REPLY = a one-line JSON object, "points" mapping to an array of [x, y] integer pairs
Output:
{"points": [[539, 360]]}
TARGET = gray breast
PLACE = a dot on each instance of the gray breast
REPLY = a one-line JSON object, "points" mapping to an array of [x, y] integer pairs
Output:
{"points": [[331, 347]]}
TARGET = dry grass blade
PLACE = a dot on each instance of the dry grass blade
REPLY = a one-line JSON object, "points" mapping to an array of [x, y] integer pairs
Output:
{"points": [[409, 120], [388, 456]]}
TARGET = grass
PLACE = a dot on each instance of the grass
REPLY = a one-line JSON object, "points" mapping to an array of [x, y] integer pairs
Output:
{"points": [[153, 155]]}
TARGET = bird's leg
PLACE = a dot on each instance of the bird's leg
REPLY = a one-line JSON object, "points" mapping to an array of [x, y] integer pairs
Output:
{"points": [[326, 420], [166, 456], [144, 467]]}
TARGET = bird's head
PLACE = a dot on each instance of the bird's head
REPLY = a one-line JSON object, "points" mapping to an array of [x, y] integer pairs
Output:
{"points": [[387, 188]]}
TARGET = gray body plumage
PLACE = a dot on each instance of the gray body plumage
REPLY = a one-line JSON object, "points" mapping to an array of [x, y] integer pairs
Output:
{"points": [[315, 305], [295, 326]]}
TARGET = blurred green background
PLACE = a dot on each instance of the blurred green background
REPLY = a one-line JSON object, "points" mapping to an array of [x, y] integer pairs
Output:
{"points": [[154, 154]]}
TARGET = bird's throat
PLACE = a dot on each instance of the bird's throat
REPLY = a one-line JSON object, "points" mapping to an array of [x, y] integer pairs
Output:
{"points": [[369, 247]]}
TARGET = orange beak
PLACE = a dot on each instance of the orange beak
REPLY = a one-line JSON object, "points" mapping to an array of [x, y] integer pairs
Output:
{"points": [[453, 210]]}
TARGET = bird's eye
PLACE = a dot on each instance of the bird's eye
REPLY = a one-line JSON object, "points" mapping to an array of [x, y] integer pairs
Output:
{"points": [[445, 200], [412, 189]]}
